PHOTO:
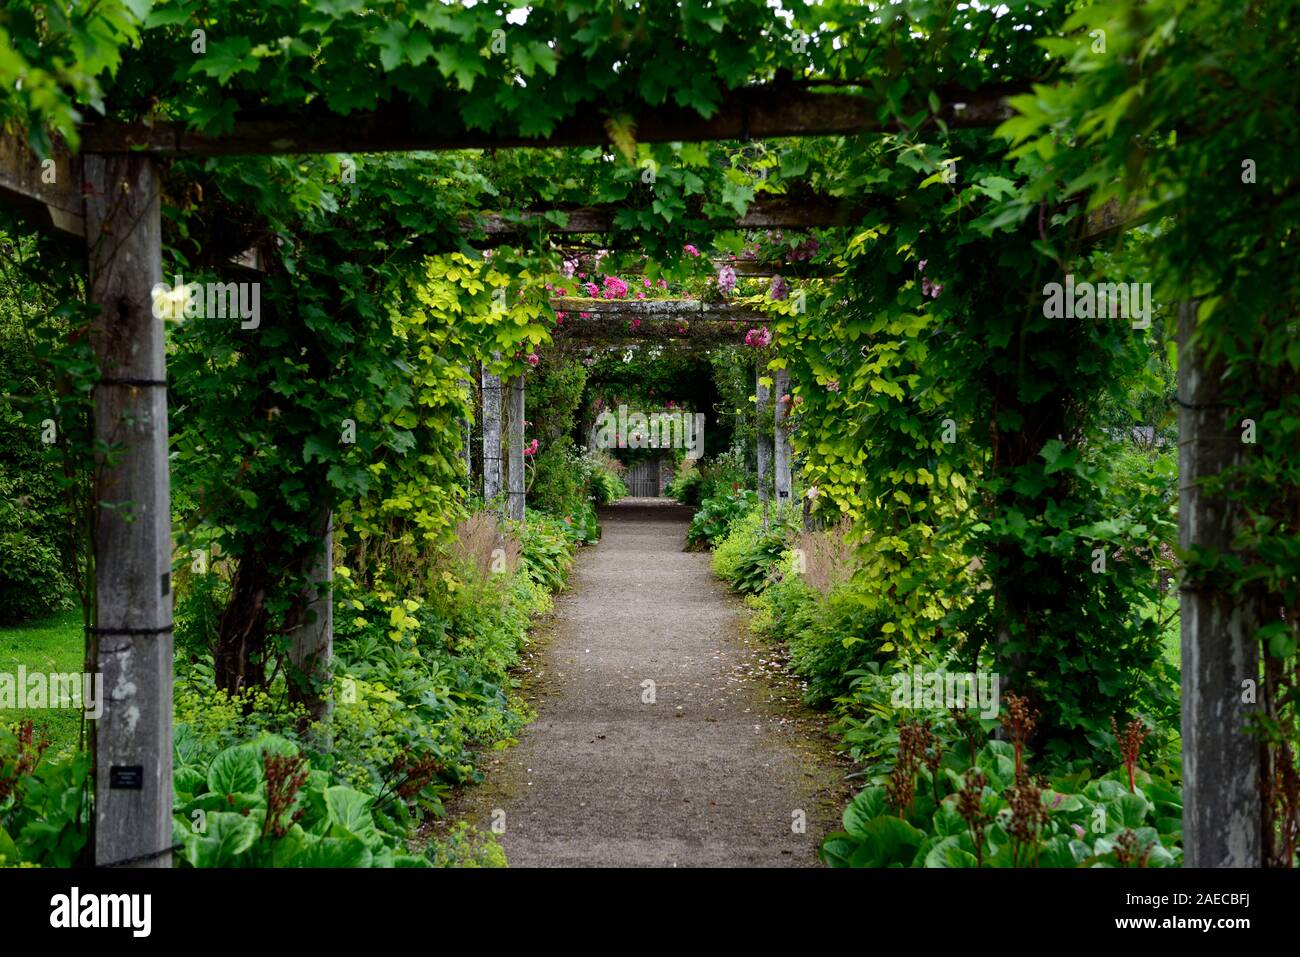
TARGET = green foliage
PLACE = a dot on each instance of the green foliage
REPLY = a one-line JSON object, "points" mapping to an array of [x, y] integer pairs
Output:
{"points": [[607, 486], [685, 486], [547, 551], [467, 846], [956, 818], [266, 804], [45, 387], [44, 801], [754, 567], [715, 516]]}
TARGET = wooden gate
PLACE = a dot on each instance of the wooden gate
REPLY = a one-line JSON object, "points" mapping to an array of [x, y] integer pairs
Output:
{"points": [[642, 479]]}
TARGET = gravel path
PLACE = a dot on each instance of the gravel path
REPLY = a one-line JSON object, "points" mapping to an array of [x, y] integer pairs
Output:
{"points": [[715, 772]]}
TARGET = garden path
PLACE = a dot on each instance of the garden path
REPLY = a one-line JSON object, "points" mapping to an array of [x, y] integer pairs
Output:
{"points": [[715, 772]]}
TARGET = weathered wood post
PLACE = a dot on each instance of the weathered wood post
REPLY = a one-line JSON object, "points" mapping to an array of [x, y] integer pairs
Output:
{"points": [[781, 388], [762, 401], [312, 649], [1220, 653], [515, 448], [131, 643], [491, 437]]}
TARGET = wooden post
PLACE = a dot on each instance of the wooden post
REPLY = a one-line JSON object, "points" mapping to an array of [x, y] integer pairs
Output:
{"points": [[1221, 765], [515, 448], [781, 388], [762, 400], [312, 651], [132, 636], [491, 437]]}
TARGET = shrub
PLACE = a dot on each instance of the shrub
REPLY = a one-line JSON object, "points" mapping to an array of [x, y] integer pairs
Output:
{"points": [[715, 516], [267, 803], [44, 814], [607, 484], [32, 581]]}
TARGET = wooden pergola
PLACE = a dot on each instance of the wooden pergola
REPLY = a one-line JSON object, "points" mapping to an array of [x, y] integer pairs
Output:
{"points": [[109, 194]]}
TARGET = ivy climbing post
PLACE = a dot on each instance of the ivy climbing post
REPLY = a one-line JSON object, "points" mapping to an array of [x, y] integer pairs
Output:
{"points": [[515, 450], [311, 651], [1220, 652], [467, 429], [491, 436], [781, 464], [131, 644], [762, 401]]}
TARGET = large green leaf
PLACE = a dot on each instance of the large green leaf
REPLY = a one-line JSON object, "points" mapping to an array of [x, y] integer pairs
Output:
{"points": [[949, 853], [235, 769], [225, 836], [868, 805], [349, 814]]}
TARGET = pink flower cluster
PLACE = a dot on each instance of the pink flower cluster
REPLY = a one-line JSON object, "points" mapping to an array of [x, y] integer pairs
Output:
{"points": [[615, 288], [780, 288], [726, 280], [758, 338], [533, 358], [931, 289], [805, 250], [690, 249], [531, 448]]}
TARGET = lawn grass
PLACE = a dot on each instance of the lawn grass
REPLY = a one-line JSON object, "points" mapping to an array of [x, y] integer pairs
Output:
{"points": [[54, 644]]}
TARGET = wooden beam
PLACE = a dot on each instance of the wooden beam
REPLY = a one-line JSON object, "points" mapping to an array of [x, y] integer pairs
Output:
{"points": [[650, 310], [1220, 653], [760, 111], [48, 193], [772, 212], [610, 332], [132, 645]]}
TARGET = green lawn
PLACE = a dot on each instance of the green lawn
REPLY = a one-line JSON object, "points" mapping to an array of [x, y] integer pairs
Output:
{"points": [[53, 644]]}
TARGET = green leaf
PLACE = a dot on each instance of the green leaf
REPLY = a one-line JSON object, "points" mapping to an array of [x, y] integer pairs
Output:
{"points": [[348, 811], [865, 807], [948, 853], [225, 836], [237, 769]]}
